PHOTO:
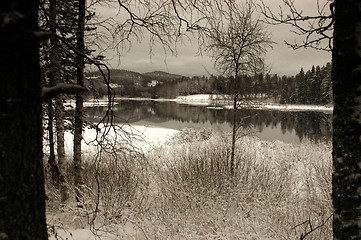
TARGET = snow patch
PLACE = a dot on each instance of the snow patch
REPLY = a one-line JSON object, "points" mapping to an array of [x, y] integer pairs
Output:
{"points": [[291, 107], [197, 99], [223, 101], [92, 102], [140, 137]]}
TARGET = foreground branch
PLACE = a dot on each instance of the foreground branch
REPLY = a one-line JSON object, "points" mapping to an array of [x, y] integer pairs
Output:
{"points": [[316, 30]]}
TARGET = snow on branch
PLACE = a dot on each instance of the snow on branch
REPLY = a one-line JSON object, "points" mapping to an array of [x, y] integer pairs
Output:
{"points": [[68, 88]]}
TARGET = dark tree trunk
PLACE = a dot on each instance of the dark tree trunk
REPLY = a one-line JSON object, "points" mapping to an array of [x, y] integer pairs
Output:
{"points": [[60, 143], [55, 78], [22, 204], [78, 119], [54, 170], [346, 76]]}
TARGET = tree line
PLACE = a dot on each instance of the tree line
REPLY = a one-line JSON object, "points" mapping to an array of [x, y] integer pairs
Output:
{"points": [[313, 86]]}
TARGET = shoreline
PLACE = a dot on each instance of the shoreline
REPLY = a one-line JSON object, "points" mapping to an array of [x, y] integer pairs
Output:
{"points": [[211, 101]]}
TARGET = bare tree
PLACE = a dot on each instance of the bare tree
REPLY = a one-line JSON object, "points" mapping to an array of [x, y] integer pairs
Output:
{"points": [[237, 42]]}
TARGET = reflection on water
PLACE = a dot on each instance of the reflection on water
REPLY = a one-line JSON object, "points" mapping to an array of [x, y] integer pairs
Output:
{"points": [[290, 127]]}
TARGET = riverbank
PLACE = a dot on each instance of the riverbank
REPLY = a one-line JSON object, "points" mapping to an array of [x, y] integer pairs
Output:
{"points": [[225, 102]]}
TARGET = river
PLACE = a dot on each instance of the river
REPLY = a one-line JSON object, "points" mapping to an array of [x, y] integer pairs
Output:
{"points": [[267, 124]]}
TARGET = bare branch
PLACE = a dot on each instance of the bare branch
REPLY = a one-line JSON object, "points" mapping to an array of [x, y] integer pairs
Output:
{"points": [[315, 29], [238, 40]]}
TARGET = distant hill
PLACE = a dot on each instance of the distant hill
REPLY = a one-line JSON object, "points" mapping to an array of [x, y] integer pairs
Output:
{"points": [[120, 76], [130, 83], [124, 77], [160, 75]]}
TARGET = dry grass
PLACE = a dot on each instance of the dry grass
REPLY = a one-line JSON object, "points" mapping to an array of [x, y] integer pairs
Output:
{"points": [[184, 190], [279, 191]]}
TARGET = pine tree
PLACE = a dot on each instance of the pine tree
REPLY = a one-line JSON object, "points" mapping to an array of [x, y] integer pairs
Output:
{"points": [[301, 87], [326, 85]]}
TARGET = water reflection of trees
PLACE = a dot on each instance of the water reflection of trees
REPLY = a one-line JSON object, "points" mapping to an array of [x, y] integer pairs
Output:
{"points": [[315, 126]]}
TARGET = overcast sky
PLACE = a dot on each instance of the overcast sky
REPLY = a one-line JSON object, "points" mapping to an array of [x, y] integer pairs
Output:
{"points": [[281, 59]]}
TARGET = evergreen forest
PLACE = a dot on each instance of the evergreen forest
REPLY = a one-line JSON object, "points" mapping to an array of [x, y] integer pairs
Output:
{"points": [[311, 86]]}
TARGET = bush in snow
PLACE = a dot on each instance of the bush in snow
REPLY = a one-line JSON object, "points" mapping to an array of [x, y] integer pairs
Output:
{"points": [[189, 135], [279, 191]]}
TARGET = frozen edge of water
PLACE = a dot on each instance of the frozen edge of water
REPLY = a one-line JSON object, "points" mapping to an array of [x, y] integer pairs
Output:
{"points": [[223, 102]]}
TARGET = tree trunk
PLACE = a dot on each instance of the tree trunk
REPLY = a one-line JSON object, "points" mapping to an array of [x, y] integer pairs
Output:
{"points": [[78, 118], [346, 76], [59, 107], [22, 194], [60, 131], [234, 133], [234, 123], [53, 167]]}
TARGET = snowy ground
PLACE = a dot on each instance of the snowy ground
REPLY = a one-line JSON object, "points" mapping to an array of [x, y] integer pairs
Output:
{"points": [[70, 225], [141, 137], [281, 172], [197, 99]]}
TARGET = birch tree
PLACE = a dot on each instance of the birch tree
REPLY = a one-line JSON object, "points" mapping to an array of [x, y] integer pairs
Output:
{"points": [[237, 42]]}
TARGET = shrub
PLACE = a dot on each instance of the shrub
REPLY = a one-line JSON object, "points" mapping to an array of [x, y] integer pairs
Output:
{"points": [[278, 191]]}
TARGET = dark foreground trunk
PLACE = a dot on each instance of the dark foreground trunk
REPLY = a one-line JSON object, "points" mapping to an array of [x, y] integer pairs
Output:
{"points": [[346, 76], [22, 204]]}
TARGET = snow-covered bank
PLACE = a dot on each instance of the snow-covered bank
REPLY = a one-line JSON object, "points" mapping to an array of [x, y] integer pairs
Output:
{"points": [[216, 101], [140, 137], [197, 99], [91, 102], [288, 107], [223, 101]]}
